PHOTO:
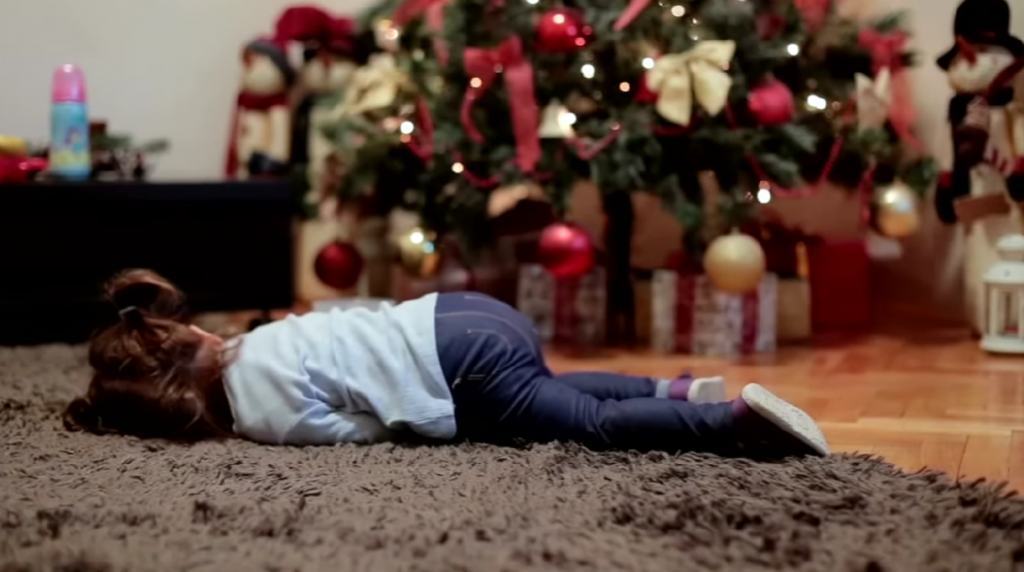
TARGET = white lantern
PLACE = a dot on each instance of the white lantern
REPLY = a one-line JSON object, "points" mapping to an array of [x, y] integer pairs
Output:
{"points": [[1003, 330]]}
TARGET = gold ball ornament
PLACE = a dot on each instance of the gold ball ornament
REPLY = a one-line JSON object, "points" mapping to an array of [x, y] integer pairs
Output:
{"points": [[735, 263], [418, 254], [897, 212]]}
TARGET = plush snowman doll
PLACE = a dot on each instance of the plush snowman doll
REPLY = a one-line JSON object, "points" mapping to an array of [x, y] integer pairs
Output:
{"points": [[988, 138], [260, 139]]}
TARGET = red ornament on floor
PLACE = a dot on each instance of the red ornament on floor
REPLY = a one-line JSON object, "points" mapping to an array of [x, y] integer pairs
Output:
{"points": [[562, 30], [772, 103], [339, 265], [566, 251]]}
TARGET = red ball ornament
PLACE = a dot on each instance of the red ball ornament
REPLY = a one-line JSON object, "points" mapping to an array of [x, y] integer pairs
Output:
{"points": [[772, 103], [562, 30], [566, 251], [338, 265]]}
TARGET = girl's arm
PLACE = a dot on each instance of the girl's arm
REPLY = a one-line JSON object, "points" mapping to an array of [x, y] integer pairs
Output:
{"points": [[323, 425]]}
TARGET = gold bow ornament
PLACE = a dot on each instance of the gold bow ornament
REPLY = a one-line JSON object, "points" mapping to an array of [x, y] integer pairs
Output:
{"points": [[373, 86], [697, 74]]}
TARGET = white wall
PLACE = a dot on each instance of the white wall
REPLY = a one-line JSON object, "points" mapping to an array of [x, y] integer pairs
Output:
{"points": [[155, 68]]}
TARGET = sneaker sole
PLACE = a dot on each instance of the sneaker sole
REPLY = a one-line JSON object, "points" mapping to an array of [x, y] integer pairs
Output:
{"points": [[785, 416], [707, 390]]}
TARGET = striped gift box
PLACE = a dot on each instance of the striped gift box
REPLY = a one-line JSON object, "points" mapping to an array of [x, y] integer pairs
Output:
{"points": [[567, 312], [690, 316]]}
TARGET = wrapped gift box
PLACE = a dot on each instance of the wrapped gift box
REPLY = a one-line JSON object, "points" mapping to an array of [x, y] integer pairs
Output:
{"points": [[794, 310], [689, 315], [840, 286], [567, 312]]}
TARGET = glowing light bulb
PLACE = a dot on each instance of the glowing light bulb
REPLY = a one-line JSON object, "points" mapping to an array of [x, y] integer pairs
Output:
{"points": [[475, 82], [416, 237], [816, 102], [793, 50], [588, 70], [624, 86], [764, 196], [567, 118], [407, 127], [648, 63], [457, 168], [558, 19], [532, 2], [678, 11]]}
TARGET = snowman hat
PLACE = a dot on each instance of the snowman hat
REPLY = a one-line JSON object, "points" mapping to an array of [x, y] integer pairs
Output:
{"points": [[342, 39], [982, 22], [275, 51], [303, 24]]}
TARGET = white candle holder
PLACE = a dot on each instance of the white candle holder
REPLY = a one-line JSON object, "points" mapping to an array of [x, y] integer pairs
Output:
{"points": [[1003, 287]]}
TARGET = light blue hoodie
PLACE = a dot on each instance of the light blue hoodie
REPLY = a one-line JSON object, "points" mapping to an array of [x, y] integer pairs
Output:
{"points": [[343, 376]]}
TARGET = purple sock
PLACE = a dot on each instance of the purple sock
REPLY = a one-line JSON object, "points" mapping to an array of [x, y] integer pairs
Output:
{"points": [[677, 389]]}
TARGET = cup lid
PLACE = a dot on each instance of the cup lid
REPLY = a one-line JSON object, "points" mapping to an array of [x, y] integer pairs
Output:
{"points": [[68, 84]]}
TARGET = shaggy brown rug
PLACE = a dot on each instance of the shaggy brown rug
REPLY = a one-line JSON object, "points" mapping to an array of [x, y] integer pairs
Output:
{"points": [[75, 502]]}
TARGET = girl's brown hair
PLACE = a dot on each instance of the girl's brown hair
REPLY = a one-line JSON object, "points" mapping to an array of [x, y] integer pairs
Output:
{"points": [[154, 376]]}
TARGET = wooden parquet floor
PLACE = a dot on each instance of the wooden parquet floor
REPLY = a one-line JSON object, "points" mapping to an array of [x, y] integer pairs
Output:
{"points": [[918, 400]]}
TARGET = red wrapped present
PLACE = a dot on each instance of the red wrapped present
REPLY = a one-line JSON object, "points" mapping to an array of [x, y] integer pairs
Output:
{"points": [[840, 286]]}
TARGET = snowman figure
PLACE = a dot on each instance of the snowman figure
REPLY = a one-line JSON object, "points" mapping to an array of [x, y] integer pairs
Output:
{"points": [[988, 138], [260, 139]]}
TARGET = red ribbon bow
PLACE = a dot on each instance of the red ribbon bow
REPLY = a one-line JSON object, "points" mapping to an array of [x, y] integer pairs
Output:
{"points": [[422, 143], [483, 65], [886, 49], [887, 52]]}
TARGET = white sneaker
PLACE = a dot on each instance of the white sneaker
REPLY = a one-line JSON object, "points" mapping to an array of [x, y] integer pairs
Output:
{"points": [[706, 390], [785, 416]]}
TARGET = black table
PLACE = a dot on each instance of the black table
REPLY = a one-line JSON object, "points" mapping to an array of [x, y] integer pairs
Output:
{"points": [[228, 245]]}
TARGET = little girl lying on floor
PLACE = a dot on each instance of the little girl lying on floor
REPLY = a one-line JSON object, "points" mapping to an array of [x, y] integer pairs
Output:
{"points": [[442, 366]]}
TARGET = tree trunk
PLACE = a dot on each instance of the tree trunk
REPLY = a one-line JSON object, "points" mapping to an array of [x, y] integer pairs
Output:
{"points": [[621, 303]]}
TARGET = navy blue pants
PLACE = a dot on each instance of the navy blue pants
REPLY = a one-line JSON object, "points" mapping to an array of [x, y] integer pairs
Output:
{"points": [[503, 391]]}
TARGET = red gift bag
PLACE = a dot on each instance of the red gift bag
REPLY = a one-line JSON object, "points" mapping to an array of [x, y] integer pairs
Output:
{"points": [[840, 286]]}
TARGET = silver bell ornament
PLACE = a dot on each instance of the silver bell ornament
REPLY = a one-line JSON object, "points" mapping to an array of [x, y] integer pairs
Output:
{"points": [[556, 122]]}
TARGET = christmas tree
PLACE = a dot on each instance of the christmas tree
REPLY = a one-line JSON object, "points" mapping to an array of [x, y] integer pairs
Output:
{"points": [[470, 97]]}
